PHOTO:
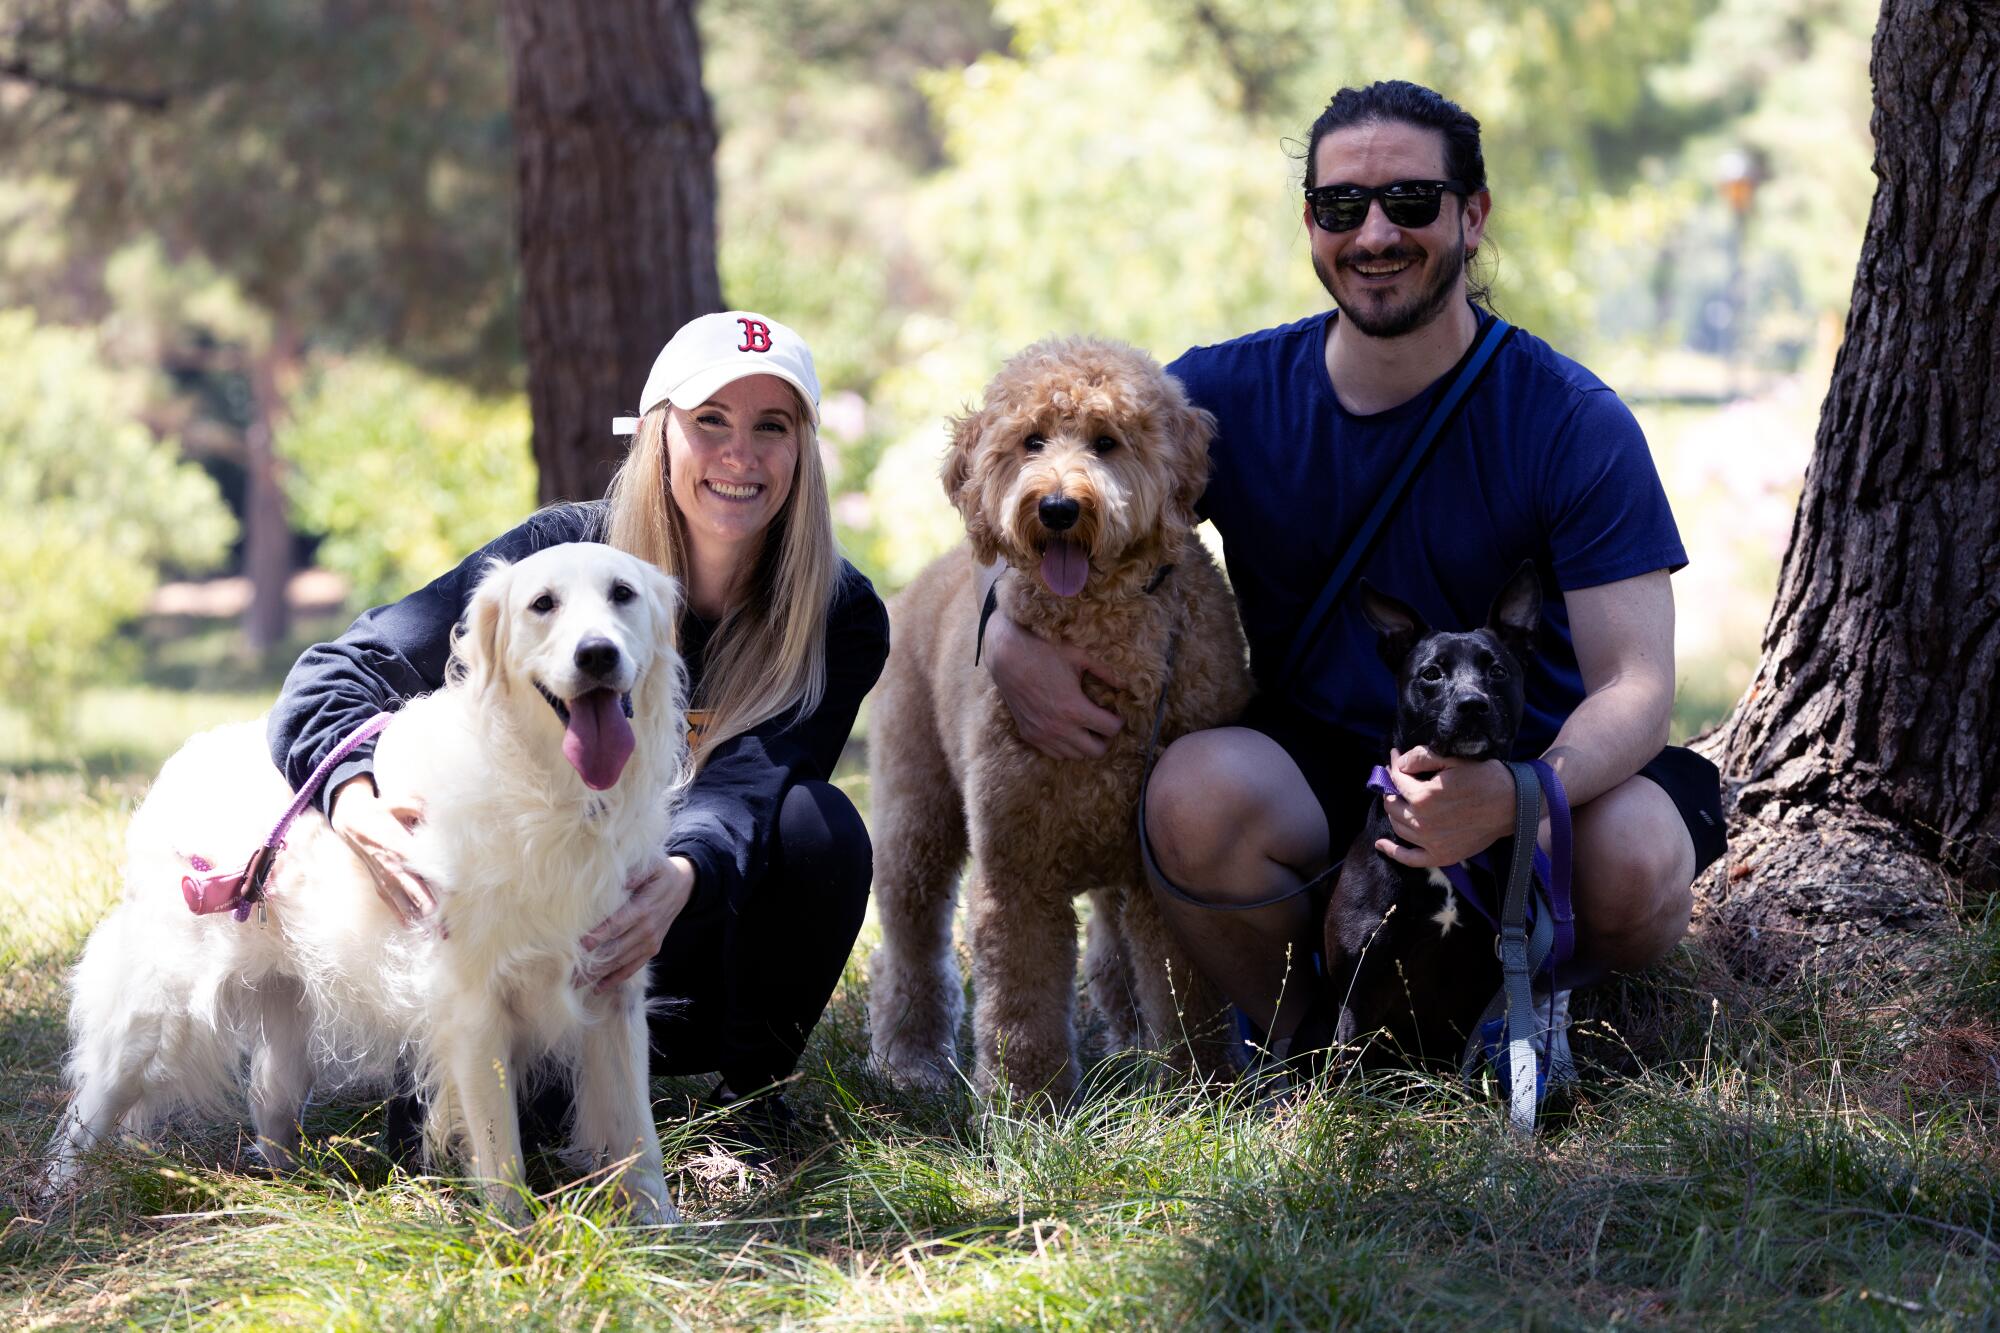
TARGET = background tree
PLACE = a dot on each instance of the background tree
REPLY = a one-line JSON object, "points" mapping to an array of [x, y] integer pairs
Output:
{"points": [[1865, 757], [616, 145], [367, 426], [923, 187], [87, 529], [344, 167], [1121, 168]]}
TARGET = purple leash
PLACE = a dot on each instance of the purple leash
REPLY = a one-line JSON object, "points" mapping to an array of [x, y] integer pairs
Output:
{"points": [[239, 890], [1552, 868], [1562, 914]]}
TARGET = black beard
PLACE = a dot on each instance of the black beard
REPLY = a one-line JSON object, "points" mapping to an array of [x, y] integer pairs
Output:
{"points": [[1408, 318]]}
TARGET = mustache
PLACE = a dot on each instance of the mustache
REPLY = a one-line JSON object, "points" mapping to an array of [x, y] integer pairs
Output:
{"points": [[1392, 255]]}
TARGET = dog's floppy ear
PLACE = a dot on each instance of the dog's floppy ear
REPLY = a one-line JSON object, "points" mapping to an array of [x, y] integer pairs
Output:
{"points": [[1191, 428], [1517, 609], [662, 695], [960, 481], [665, 591], [481, 647], [665, 594], [1395, 620]]}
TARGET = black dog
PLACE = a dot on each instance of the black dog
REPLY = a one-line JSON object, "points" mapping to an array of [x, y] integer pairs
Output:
{"points": [[1409, 956]]}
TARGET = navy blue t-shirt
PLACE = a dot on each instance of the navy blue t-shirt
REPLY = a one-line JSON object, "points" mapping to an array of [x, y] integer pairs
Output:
{"points": [[1543, 462]]}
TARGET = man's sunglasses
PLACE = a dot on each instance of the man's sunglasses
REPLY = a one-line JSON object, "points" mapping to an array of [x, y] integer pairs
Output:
{"points": [[1405, 203]]}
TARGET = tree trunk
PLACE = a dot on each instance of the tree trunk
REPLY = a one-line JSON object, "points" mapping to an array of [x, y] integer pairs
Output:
{"points": [[1864, 760], [616, 147], [267, 523]]}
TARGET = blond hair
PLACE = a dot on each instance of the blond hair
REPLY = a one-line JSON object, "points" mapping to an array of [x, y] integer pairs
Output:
{"points": [[768, 656]]}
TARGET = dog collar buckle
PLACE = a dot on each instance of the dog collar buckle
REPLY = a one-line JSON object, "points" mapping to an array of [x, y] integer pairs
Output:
{"points": [[236, 891]]}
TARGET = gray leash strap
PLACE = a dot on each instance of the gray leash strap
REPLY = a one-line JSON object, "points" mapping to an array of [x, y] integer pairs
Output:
{"points": [[1517, 952]]}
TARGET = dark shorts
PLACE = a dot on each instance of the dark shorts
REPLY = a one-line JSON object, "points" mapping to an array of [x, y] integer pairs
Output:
{"points": [[1336, 764]]}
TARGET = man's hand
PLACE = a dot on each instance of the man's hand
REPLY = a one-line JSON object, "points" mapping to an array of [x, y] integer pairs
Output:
{"points": [[1446, 809], [626, 940], [379, 833], [1042, 684]]}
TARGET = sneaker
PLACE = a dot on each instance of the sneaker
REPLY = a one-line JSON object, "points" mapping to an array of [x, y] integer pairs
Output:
{"points": [[1487, 1050], [1278, 1067], [760, 1128]]}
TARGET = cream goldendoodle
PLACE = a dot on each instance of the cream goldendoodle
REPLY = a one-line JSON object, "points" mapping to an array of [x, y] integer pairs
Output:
{"points": [[1080, 471]]}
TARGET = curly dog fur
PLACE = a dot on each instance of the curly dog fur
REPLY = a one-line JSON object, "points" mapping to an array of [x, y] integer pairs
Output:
{"points": [[1102, 425]]}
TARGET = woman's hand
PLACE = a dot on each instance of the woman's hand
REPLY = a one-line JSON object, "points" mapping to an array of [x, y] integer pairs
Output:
{"points": [[380, 834], [626, 940], [1042, 686]]}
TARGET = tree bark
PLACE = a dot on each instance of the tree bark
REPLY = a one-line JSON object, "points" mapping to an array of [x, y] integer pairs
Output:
{"points": [[1864, 760], [267, 524], [616, 149]]}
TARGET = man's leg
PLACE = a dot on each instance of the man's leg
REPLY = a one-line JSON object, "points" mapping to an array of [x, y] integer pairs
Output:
{"points": [[1232, 821], [1634, 877]]}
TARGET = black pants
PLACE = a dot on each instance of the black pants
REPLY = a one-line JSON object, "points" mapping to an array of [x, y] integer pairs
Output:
{"points": [[749, 984]]}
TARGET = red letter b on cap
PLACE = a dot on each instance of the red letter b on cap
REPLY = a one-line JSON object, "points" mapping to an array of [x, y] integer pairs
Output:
{"points": [[756, 335]]}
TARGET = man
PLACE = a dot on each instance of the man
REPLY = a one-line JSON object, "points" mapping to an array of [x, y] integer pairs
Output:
{"points": [[1543, 463]]}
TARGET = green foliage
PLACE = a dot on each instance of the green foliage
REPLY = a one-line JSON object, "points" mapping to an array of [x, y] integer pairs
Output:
{"points": [[1131, 168], [924, 188], [95, 508], [404, 473], [1786, 82], [348, 168]]}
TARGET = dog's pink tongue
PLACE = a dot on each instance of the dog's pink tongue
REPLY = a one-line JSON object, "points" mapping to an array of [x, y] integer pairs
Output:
{"points": [[1065, 567], [599, 739]]}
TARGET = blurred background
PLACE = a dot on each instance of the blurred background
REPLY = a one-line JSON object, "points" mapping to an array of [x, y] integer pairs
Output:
{"points": [[234, 230]]}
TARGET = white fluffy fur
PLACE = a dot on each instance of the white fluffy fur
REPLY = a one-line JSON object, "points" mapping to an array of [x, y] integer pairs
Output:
{"points": [[328, 987]]}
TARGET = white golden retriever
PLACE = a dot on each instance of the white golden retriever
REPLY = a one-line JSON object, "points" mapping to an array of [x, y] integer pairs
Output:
{"points": [[541, 802]]}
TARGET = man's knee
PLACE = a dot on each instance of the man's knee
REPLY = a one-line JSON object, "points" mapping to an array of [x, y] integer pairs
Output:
{"points": [[1188, 811], [1636, 865], [1653, 911], [1174, 827], [1218, 815]]}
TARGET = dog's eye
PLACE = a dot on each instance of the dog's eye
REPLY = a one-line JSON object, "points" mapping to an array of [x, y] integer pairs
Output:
{"points": [[542, 605], [1432, 673], [1104, 444], [1498, 671], [1033, 444], [622, 593]]}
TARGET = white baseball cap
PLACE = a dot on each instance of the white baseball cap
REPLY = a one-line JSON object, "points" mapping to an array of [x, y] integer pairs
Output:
{"points": [[714, 350]]}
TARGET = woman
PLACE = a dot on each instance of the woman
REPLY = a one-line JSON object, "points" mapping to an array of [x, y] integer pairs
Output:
{"points": [[767, 873]]}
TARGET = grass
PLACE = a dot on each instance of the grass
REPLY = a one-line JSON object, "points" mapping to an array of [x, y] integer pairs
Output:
{"points": [[1738, 1160]]}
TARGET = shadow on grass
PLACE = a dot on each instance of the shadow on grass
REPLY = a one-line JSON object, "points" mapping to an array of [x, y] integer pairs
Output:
{"points": [[1380, 1200]]}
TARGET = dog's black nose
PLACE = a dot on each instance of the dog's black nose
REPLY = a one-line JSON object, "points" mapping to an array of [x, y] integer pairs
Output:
{"points": [[1475, 705], [1058, 512], [597, 657]]}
